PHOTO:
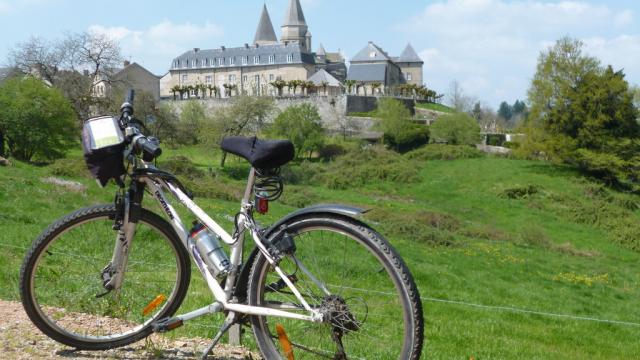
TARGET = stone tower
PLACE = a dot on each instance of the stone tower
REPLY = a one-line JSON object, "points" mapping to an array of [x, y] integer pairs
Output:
{"points": [[265, 34], [295, 26]]}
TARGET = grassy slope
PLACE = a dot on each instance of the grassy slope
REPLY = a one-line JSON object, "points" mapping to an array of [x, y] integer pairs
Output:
{"points": [[490, 264], [436, 107]]}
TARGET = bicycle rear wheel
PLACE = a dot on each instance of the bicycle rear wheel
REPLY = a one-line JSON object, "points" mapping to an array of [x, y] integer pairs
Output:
{"points": [[61, 279], [361, 285]]}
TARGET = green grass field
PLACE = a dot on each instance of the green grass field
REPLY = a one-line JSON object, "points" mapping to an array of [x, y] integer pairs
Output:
{"points": [[479, 235]]}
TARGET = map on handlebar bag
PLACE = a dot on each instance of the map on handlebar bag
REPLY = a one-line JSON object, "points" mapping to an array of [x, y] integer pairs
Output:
{"points": [[104, 132]]}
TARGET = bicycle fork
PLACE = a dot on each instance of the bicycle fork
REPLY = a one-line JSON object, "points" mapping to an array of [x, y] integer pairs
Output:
{"points": [[113, 273]]}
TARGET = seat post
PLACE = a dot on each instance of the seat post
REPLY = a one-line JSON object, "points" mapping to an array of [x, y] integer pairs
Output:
{"points": [[249, 190]]}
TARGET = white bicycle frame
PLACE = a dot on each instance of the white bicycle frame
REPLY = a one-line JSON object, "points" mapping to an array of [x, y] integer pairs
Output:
{"points": [[223, 296]]}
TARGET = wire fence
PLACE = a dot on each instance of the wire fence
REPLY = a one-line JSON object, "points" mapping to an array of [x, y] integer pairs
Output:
{"points": [[474, 305]]}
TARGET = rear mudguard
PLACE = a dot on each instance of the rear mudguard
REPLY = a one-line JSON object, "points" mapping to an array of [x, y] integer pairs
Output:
{"points": [[243, 280]]}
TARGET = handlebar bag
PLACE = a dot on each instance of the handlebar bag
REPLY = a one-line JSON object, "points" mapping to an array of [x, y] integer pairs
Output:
{"points": [[103, 143]]}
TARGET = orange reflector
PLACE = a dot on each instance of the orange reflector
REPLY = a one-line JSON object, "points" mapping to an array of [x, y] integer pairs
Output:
{"points": [[153, 304], [284, 342]]}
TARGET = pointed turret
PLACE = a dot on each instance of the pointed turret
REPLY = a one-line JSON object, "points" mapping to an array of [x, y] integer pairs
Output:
{"points": [[265, 34], [294, 15], [294, 27], [409, 55]]}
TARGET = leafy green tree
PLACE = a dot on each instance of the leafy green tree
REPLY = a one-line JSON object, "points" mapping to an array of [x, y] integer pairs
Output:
{"points": [[166, 125], [36, 120], [191, 119], [400, 132], [455, 129], [583, 114], [302, 125]]}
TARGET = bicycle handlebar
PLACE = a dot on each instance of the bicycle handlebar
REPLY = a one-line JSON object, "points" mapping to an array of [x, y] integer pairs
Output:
{"points": [[148, 146]]}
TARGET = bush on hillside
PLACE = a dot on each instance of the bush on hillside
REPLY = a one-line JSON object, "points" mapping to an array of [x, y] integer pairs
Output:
{"points": [[455, 129], [444, 152], [400, 132], [368, 166], [70, 167]]}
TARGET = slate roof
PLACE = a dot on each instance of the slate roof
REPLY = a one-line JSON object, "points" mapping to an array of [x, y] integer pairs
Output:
{"points": [[368, 72], [232, 57], [322, 76], [409, 55], [365, 55], [294, 14], [265, 32]]}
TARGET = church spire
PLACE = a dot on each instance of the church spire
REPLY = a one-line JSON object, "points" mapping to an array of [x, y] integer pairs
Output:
{"points": [[265, 34], [294, 15]]}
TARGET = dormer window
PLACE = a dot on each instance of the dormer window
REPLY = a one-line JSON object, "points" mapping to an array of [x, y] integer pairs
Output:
{"points": [[194, 63], [373, 54], [220, 61], [289, 58], [245, 60], [272, 59], [232, 61], [256, 59]]}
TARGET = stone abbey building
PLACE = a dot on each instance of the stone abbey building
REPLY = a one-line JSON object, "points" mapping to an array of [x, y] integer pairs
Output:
{"points": [[251, 68]]}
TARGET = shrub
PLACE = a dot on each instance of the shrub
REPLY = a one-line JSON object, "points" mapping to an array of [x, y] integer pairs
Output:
{"points": [[331, 151], [70, 167], [424, 227], [400, 132], [298, 197], [455, 129], [520, 192], [367, 166], [444, 152]]}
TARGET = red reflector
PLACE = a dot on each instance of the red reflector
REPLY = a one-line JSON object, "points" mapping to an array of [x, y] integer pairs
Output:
{"points": [[262, 205]]}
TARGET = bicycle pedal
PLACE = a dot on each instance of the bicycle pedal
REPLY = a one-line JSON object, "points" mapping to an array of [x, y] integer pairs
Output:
{"points": [[166, 325]]}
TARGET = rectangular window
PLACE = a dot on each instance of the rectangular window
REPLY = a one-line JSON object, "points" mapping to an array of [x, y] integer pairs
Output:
{"points": [[245, 60], [272, 77], [185, 64], [185, 77], [176, 64], [232, 79], [289, 58], [232, 60], [272, 59], [256, 59], [194, 63], [244, 79], [408, 76], [220, 61], [208, 79]]}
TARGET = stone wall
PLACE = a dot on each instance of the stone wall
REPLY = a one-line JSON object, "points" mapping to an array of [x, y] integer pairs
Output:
{"points": [[332, 109], [361, 104]]}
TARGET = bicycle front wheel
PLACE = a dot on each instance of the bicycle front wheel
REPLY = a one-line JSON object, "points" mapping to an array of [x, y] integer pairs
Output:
{"points": [[61, 279], [370, 304]]}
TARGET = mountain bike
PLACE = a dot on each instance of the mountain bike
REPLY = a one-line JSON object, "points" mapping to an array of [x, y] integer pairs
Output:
{"points": [[319, 283]]}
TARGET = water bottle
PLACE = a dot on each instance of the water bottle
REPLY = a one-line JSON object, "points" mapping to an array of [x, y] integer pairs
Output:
{"points": [[210, 249]]}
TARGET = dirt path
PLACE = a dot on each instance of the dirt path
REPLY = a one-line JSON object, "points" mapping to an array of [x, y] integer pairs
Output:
{"points": [[20, 339]]}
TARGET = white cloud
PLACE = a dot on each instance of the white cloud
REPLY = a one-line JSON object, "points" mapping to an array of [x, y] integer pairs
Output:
{"points": [[156, 46], [491, 46]]}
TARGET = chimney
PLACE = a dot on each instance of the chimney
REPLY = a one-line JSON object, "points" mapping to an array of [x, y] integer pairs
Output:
{"points": [[196, 49], [126, 63], [223, 48], [246, 46]]}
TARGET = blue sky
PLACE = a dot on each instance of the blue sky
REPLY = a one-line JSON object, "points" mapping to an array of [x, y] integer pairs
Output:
{"points": [[489, 46]]}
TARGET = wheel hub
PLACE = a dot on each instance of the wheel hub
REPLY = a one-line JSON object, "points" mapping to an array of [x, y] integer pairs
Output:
{"points": [[335, 311]]}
